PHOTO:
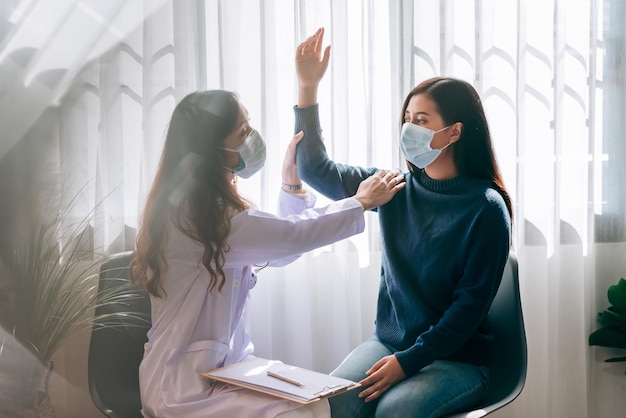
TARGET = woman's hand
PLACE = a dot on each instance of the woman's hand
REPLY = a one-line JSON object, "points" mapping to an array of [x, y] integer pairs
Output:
{"points": [[290, 168], [380, 377], [378, 189], [310, 67]]}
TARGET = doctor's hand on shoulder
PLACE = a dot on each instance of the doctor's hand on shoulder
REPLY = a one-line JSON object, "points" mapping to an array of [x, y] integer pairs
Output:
{"points": [[379, 188]]}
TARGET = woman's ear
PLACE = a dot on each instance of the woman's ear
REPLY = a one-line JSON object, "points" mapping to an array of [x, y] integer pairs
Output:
{"points": [[455, 131]]}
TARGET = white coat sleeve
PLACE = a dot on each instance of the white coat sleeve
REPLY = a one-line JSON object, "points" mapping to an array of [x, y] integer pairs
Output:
{"points": [[290, 204], [257, 237]]}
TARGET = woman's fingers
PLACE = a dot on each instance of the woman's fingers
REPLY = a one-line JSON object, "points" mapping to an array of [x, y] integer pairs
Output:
{"points": [[319, 38], [312, 43]]}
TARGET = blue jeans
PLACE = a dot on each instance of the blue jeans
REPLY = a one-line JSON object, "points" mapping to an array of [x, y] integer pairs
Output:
{"points": [[441, 388]]}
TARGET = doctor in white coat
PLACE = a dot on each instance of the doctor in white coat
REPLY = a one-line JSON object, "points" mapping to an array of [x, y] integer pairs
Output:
{"points": [[197, 244]]}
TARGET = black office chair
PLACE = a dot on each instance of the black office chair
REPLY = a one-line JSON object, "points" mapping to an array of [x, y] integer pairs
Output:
{"points": [[116, 349], [507, 372]]}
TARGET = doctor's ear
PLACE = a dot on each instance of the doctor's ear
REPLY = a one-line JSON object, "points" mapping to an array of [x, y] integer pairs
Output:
{"points": [[455, 131]]}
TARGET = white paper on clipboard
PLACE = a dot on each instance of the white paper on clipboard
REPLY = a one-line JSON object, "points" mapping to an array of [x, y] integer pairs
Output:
{"points": [[252, 374]]}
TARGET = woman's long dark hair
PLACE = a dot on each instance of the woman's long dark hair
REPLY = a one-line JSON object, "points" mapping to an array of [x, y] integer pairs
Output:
{"points": [[191, 189], [458, 101]]}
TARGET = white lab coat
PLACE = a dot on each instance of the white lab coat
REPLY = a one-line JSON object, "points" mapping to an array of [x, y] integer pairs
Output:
{"points": [[194, 330]]}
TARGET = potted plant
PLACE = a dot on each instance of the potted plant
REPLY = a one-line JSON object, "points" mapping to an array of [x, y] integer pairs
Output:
{"points": [[50, 292], [613, 332]]}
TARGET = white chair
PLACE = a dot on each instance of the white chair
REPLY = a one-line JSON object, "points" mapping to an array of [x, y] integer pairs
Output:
{"points": [[507, 371]]}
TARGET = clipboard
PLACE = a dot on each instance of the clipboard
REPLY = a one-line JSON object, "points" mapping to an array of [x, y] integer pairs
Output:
{"points": [[284, 381]]}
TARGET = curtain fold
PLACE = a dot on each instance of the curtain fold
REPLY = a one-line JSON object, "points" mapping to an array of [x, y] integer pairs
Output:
{"points": [[551, 78]]}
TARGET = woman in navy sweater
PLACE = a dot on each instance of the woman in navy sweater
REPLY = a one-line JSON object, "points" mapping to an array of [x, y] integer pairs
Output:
{"points": [[445, 241]]}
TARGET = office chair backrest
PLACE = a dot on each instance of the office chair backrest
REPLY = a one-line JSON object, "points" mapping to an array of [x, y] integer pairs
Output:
{"points": [[507, 372], [115, 351]]}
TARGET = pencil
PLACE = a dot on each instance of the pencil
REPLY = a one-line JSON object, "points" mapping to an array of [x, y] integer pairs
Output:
{"points": [[284, 379]]}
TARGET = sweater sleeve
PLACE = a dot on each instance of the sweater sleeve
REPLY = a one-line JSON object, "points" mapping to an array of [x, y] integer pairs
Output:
{"points": [[333, 180], [472, 296]]}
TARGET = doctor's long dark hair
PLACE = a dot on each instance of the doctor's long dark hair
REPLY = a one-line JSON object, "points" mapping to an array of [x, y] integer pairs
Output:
{"points": [[191, 190], [458, 101]]}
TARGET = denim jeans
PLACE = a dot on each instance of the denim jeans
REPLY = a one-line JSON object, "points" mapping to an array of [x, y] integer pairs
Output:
{"points": [[441, 388]]}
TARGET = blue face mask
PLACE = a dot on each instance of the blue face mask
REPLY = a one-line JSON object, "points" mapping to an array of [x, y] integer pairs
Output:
{"points": [[415, 144], [251, 155]]}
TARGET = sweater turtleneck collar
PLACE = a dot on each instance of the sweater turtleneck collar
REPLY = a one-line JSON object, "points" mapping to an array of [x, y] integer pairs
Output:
{"points": [[439, 186]]}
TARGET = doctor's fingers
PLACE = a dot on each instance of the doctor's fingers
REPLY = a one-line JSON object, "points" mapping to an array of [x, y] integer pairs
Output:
{"points": [[296, 138], [381, 188], [391, 177], [290, 154]]}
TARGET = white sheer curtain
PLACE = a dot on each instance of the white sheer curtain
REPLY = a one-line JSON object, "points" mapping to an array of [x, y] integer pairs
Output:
{"points": [[552, 81]]}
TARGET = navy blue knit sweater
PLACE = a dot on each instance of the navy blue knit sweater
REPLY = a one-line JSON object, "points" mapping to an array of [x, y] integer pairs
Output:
{"points": [[445, 245]]}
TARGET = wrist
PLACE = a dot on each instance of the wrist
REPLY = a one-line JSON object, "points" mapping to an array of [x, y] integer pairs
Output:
{"points": [[364, 202], [293, 188], [307, 96]]}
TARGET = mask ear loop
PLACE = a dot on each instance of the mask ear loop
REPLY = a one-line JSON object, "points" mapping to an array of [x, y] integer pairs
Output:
{"points": [[442, 129], [449, 142], [232, 170], [446, 146]]}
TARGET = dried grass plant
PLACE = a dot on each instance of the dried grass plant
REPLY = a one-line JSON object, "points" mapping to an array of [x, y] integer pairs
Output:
{"points": [[52, 294]]}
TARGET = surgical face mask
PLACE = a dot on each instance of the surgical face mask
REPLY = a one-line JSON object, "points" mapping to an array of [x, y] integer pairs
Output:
{"points": [[415, 143], [251, 155]]}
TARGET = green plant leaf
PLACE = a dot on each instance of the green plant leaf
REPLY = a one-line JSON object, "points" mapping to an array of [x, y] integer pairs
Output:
{"points": [[608, 337], [613, 317], [617, 294]]}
